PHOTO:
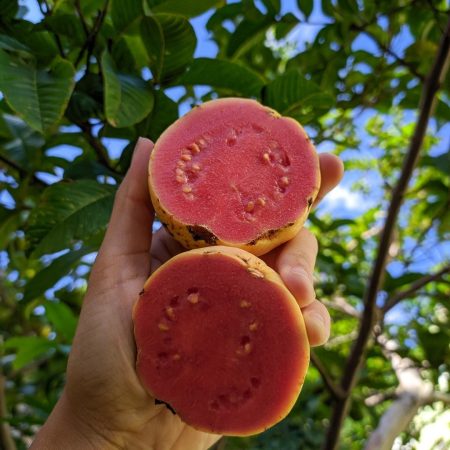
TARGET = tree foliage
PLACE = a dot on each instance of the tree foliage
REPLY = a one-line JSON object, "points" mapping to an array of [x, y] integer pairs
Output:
{"points": [[82, 81]]}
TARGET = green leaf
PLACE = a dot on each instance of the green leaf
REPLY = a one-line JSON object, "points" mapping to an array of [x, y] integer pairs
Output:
{"points": [[23, 149], [39, 97], [153, 40], [292, 94], [10, 44], [228, 11], [62, 318], [223, 74], [247, 34], [273, 6], [67, 212], [285, 25], [392, 283], [5, 132], [170, 41], [125, 12], [47, 277], [163, 115], [9, 221], [184, 8], [85, 168], [9, 9], [306, 7], [68, 25], [128, 99], [29, 349]]}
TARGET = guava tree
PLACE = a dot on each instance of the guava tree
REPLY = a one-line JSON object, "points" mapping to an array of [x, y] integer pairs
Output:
{"points": [[80, 81]]}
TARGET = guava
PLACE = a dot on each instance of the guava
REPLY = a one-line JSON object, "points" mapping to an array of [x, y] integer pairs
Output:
{"points": [[233, 172], [221, 340]]}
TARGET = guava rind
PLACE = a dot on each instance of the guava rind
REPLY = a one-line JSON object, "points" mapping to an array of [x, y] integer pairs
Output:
{"points": [[213, 370], [190, 220]]}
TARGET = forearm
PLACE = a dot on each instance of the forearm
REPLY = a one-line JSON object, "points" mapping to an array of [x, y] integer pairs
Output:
{"points": [[64, 430]]}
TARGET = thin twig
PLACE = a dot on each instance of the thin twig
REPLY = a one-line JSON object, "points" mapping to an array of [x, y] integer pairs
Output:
{"points": [[89, 43], [47, 13], [83, 20], [22, 172], [96, 144], [371, 312], [398, 59], [332, 386], [399, 296]]}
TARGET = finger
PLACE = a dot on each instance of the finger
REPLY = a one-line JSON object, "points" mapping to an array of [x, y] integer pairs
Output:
{"points": [[164, 246], [331, 171], [295, 264], [130, 228], [317, 322]]}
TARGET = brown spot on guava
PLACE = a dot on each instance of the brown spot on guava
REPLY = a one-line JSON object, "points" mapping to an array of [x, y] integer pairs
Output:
{"points": [[200, 233]]}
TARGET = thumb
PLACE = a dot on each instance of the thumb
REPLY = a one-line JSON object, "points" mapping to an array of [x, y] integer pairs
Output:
{"points": [[129, 231]]}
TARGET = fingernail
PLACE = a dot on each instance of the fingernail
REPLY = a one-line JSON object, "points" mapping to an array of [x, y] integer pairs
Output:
{"points": [[141, 141]]}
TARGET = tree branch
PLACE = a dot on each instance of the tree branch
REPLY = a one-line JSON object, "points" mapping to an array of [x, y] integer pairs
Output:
{"points": [[371, 312], [335, 389], [91, 37], [413, 392], [48, 12], [398, 59], [399, 296], [21, 171], [96, 144], [340, 304]]}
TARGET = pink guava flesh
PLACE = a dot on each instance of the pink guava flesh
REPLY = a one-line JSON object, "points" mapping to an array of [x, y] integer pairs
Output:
{"points": [[222, 346], [236, 168]]}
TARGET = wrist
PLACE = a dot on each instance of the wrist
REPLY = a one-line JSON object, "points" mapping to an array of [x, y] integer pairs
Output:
{"points": [[66, 429]]}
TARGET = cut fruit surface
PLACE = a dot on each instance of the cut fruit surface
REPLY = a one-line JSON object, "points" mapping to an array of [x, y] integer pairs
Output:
{"points": [[236, 173], [222, 340]]}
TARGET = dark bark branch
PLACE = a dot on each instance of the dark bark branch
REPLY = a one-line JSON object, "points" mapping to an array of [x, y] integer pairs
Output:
{"points": [[398, 59], [89, 43], [83, 21], [371, 312], [399, 296], [96, 144], [335, 389], [48, 12], [21, 171]]}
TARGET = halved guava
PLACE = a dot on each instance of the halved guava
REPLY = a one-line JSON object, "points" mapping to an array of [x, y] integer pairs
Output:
{"points": [[233, 172], [221, 340]]}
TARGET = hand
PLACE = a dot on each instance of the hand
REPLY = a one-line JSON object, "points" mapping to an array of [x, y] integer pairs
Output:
{"points": [[103, 404]]}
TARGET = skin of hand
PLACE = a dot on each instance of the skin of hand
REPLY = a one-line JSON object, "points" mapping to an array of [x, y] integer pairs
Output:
{"points": [[103, 405]]}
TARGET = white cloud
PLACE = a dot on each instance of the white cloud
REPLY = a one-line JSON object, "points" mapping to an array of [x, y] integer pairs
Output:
{"points": [[343, 198]]}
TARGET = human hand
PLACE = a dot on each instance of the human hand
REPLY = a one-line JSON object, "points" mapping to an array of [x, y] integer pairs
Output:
{"points": [[103, 404]]}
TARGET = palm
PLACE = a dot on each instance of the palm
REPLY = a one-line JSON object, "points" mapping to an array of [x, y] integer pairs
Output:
{"points": [[102, 386], [110, 384]]}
